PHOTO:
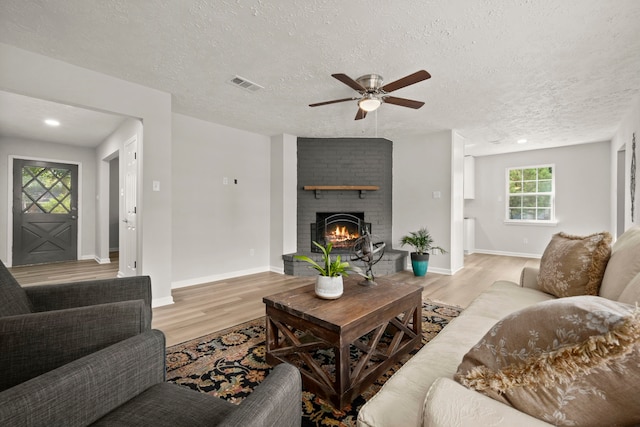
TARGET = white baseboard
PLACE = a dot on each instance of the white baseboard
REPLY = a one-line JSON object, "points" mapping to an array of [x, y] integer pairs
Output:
{"points": [[279, 270], [216, 277], [430, 268], [459, 269], [513, 254], [445, 271], [87, 257], [103, 260], [159, 302]]}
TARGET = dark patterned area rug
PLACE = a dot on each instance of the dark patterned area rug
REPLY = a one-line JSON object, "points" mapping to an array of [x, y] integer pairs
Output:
{"points": [[229, 364]]}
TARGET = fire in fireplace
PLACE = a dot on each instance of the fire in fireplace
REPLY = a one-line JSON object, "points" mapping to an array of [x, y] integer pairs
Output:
{"points": [[342, 229]]}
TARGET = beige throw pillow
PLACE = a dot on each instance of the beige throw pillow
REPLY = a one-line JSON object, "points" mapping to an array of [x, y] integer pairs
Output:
{"points": [[573, 265], [569, 361]]}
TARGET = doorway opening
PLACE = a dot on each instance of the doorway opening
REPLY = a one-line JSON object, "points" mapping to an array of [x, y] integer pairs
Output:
{"points": [[620, 193], [114, 209]]}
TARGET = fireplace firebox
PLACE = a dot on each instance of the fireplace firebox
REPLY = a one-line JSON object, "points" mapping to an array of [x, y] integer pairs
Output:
{"points": [[342, 229]]}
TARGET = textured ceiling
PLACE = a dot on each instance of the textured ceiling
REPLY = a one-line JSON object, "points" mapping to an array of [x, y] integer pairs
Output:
{"points": [[555, 72]]}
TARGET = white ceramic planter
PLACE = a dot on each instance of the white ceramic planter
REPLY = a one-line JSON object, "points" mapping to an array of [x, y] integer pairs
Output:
{"points": [[329, 287]]}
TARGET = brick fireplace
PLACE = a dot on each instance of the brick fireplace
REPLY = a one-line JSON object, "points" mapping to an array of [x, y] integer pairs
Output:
{"points": [[350, 176]]}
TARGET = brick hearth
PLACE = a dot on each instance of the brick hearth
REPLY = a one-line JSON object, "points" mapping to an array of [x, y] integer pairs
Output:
{"points": [[392, 262]]}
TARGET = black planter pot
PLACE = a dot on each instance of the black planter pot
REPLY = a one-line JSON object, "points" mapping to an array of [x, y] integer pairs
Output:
{"points": [[419, 263]]}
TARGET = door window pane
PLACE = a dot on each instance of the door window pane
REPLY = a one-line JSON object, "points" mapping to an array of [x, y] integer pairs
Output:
{"points": [[46, 190]]}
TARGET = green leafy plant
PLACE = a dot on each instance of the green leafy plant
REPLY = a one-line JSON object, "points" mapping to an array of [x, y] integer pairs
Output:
{"points": [[329, 268], [422, 242]]}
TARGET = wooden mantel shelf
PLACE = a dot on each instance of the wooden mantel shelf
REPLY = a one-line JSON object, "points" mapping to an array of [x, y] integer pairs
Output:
{"points": [[361, 188]]}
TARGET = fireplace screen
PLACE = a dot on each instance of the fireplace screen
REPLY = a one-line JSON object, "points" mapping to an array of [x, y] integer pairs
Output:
{"points": [[341, 229]]}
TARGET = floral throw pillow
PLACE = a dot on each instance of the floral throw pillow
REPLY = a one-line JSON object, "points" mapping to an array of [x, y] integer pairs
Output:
{"points": [[574, 265], [570, 361]]}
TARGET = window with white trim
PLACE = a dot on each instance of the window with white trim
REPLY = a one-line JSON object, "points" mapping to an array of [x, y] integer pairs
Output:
{"points": [[531, 194]]}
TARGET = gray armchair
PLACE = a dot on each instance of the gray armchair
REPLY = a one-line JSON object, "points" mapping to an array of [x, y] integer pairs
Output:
{"points": [[44, 327], [83, 354], [124, 385]]}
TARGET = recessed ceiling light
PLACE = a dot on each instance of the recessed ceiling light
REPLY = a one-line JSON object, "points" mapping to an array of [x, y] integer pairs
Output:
{"points": [[52, 122], [522, 141]]}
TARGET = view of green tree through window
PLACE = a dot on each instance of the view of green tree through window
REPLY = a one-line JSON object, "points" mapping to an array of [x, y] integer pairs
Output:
{"points": [[46, 190], [531, 194]]}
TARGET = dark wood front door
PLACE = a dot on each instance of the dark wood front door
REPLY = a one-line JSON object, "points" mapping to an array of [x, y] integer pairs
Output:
{"points": [[45, 212]]}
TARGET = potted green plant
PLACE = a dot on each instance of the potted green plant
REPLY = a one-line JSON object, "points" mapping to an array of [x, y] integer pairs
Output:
{"points": [[422, 243], [329, 284]]}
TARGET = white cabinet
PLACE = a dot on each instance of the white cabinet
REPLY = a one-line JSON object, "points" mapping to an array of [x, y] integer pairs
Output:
{"points": [[469, 235], [469, 177]]}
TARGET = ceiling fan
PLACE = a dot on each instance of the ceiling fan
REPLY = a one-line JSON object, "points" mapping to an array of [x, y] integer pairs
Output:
{"points": [[373, 93]]}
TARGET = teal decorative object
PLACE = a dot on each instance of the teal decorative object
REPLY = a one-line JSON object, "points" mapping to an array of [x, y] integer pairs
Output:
{"points": [[419, 267], [423, 244]]}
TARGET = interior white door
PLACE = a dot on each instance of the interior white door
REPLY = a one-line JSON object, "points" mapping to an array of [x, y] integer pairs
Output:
{"points": [[130, 220]]}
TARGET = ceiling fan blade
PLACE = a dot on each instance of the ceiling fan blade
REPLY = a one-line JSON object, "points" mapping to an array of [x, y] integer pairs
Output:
{"points": [[361, 114], [331, 102], [403, 102], [416, 77], [349, 82]]}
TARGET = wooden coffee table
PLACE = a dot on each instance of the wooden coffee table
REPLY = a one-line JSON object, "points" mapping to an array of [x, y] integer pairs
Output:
{"points": [[367, 329]]}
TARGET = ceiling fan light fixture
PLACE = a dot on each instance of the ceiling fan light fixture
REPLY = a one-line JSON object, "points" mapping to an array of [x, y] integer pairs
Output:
{"points": [[373, 94], [369, 103]]}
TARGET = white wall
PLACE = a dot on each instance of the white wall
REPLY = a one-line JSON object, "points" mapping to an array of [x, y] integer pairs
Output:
{"points": [[85, 157], [421, 166], [215, 226], [38, 76], [623, 138], [582, 173], [283, 200], [457, 202]]}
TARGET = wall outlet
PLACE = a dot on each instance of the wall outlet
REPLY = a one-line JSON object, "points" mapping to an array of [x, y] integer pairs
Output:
{"points": [[225, 180]]}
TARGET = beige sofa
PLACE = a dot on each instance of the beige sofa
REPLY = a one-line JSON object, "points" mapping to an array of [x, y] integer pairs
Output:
{"points": [[423, 392]]}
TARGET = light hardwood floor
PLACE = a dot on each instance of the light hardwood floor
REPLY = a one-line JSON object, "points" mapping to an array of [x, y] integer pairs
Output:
{"points": [[210, 307]]}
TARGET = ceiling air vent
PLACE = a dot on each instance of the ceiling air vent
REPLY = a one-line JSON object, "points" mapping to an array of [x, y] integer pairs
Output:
{"points": [[245, 84]]}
